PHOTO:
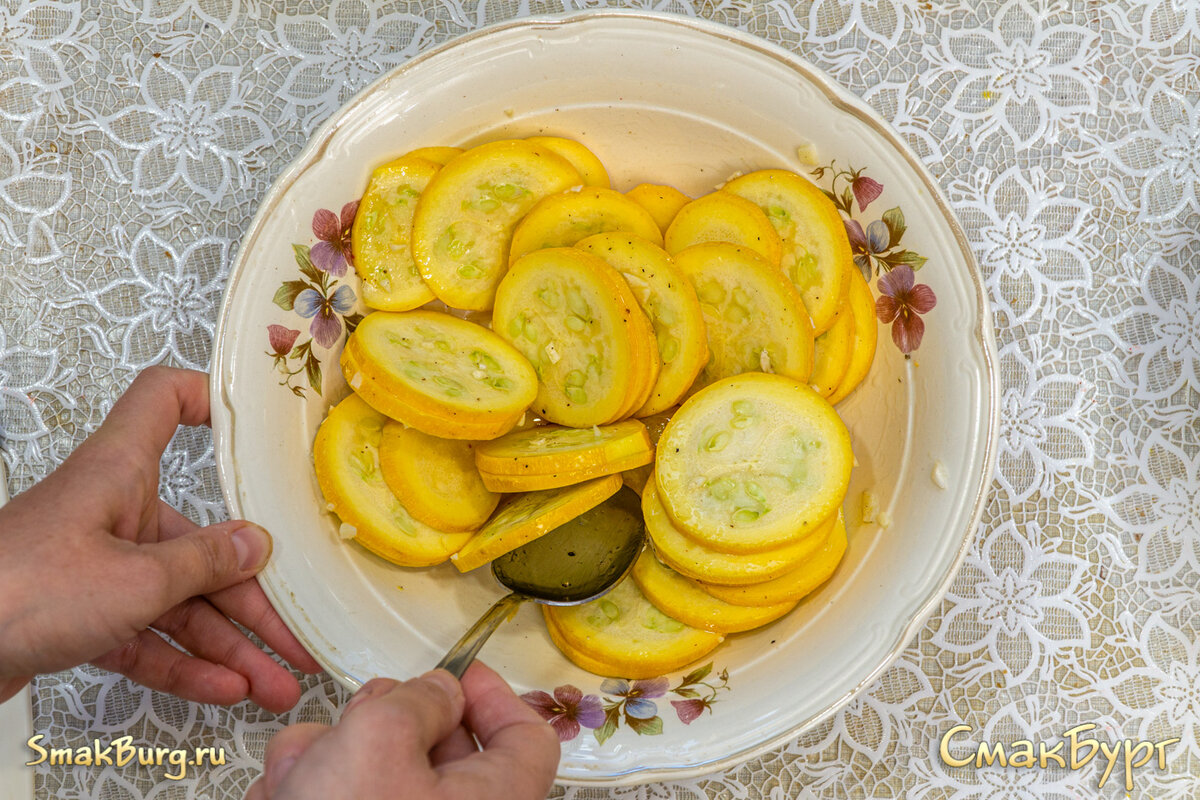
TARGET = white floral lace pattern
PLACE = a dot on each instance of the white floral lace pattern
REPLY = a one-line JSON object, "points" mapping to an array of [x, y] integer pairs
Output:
{"points": [[137, 137]]}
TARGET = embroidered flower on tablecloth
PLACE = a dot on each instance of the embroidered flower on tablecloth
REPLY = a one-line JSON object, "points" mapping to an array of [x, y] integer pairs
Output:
{"points": [[1028, 233], [162, 308], [1159, 692], [195, 130], [1022, 77], [1046, 431], [331, 56], [1161, 511], [1161, 158], [1159, 337], [1018, 598], [876, 720]]}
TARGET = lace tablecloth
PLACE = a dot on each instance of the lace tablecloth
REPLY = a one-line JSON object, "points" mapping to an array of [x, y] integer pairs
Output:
{"points": [[137, 137]]}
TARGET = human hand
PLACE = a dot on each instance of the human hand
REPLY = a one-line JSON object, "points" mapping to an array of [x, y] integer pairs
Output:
{"points": [[417, 739], [93, 567]]}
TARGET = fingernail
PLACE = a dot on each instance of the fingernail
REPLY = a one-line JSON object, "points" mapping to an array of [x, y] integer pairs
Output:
{"points": [[253, 547], [444, 681], [369, 689]]}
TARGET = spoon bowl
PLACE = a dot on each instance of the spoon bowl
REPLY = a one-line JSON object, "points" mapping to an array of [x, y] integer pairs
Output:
{"points": [[575, 563]]}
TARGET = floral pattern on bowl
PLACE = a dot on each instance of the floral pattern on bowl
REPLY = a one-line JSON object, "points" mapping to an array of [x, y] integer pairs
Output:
{"points": [[877, 251], [319, 296], [568, 709]]}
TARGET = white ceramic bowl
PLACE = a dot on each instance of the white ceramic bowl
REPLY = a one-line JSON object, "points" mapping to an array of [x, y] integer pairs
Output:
{"points": [[662, 99]]}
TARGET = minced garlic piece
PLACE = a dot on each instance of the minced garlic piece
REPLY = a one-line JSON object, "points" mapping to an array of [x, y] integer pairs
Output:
{"points": [[870, 506], [940, 479]]}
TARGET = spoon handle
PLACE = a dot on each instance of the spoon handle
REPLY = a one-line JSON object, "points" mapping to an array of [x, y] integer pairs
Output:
{"points": [[463, 652]]}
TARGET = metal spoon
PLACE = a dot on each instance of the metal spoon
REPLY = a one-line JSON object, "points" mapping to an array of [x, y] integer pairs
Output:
{"points": [[574, 563]]}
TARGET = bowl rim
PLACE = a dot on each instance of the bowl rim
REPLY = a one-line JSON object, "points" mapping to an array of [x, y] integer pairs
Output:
{"points": [[841, 99]]}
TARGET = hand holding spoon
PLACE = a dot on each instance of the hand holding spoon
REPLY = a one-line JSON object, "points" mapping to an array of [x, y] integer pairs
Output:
{"points": [[574, 563]]}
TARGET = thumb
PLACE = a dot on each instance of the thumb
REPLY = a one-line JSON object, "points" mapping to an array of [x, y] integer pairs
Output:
{"points": [[209, 559]]}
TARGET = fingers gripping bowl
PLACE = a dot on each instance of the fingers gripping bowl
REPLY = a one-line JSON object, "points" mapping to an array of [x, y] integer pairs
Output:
{"points": [[666, 101]]}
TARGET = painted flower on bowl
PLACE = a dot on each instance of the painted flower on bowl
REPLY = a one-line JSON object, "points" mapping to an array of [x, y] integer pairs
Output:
{"points": [[901, 303], [316, 295], [567, 710], [627, 701], [332, 252], [876, 250]]}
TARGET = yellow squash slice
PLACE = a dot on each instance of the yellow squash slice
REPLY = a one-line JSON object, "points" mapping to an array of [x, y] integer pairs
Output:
{"points": [[561, 220], [696, 560], [526, 517], [636, 478], [682, 598], [584, 661], [753, 318], [663, 202], [553, 448], [793, 586], [862, 352], [438, 154], [724, 217], [831, 354], [382, 235], [752, 462], [669, 301], [553, 480], [424, 367], [436, 479], [816, 252], [582, 159], [575, 319], [625, 630], [346, 458], [464, 222]]}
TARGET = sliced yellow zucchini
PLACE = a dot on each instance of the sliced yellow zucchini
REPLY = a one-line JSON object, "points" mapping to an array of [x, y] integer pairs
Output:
{"points": [[418, 365], [553, 448], [464, 222], [438, 154], [669, 301], [582, 159], [436, 479], [636, 478], [862, 352], [381, 238], [534, 482], [663, 202], [794, 585], [562, 219], [816, 252], [724, 217], [627, 631], [752, 462], [346, 458], [525, 517], [681, 598], [831, 354], [694, 559], [753, 318], [573, 317]]}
